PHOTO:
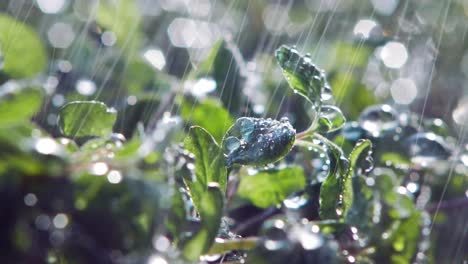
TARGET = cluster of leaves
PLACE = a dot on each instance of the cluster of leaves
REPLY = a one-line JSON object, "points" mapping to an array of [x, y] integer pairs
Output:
{"points": [[90, 195]]}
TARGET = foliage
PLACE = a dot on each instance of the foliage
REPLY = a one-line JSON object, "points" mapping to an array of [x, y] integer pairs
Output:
{"points": [[198, 182]]}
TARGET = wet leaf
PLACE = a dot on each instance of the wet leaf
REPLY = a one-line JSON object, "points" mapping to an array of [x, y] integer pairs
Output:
{"points": [[210, 209], [330, 119], [80, 119], [271, 187], [18, 104], [336, 193], [303, 76], [257, 141], [209, 114], [209, 163], [23, 52]]}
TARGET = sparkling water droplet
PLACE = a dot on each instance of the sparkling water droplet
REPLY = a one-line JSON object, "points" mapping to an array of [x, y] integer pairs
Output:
{"points": [[331, 119], [352, 131], [247, 127], [231, 144], [424, 148], [275, 235], [379, 120], [295, 202], [460, 114]]}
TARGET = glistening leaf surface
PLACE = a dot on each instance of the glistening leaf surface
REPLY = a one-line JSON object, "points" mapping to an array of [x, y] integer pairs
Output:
{"points": [[86, 118]]}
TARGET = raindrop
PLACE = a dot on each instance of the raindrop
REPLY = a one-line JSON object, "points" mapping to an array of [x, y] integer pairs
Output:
{"points": [[403, 91], [309, 240], [330, 119], [58, 100], [424, 148], [51, 6], [60, 221], [108, 38], [201, 88], [394, 54], [85, 87], [378, 120], [231, 144], [61, 35], [155, 57], [385, 7], [210, 258], [114, 176], [352, 131], [42, 222], [460, 114], [161, 243], [364, 28], [296, 202], [157, 259], [412, 187], [30, 199], [99, 168], [47, 146]]}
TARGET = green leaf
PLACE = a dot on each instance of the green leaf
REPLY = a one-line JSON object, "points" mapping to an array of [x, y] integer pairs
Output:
{"points": [[209, 114], [330, 119], [80, 119], [405, 238], [336, 193], [303, 76], [363, 146], [23, 52], [271, 187], [18, 104], [210, 208], [209, 163]]}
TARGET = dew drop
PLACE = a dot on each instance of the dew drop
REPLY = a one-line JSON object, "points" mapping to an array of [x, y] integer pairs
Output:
{"points": [[231, 144], [379, 120], [424, 148]]}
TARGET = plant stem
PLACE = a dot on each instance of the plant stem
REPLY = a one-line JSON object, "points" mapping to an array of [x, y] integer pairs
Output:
{"points": [[304, 134], [258, 218]]}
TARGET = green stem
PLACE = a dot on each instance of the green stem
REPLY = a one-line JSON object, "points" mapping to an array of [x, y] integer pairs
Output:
{"points": [[311, 133]]}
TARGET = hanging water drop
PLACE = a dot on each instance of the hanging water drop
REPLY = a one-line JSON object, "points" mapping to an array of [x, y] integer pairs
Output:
{"points": [[231, 144], [247, 127], [379, 120], [330, 119], [424, 148]]}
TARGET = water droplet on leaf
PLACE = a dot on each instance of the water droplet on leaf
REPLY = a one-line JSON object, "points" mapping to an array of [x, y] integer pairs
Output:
{"points": [[424, 148], [379, 120]]}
